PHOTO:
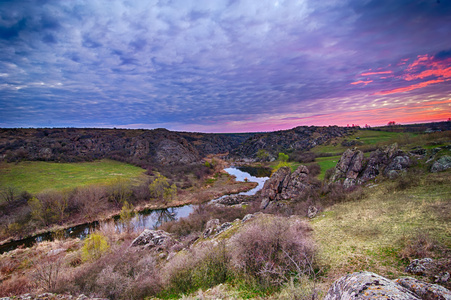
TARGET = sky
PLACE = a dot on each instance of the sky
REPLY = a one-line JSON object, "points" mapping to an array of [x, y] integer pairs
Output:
{"points": [[224, 65]]}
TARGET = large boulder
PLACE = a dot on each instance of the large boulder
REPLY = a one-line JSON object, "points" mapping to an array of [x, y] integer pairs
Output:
{"points": [[367, 285], [441, 164]]}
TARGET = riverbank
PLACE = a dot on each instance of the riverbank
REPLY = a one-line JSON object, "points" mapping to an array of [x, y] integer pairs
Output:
{"points": [[219, 185]]}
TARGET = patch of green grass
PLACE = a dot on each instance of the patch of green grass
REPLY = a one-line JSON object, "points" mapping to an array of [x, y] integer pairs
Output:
{"points": [[367, 137], [326, 163], [35, 176]]}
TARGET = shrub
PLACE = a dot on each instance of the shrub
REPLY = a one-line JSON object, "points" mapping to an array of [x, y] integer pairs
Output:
{"points": [[199, 268], [268, 251], [420, 245], [94, 246]]}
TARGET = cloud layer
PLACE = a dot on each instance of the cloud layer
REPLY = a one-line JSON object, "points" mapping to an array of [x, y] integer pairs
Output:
{"points": [[223, 66]]}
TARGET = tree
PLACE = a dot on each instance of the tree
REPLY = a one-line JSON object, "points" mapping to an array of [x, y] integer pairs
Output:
{"points": [[126, 215], [161, 190], [283, 157], [120, 191], [94, 246]]}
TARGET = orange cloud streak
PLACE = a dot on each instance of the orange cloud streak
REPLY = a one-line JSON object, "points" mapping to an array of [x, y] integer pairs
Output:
{"points": [[362, 81], [410, 87], [376, 73]]}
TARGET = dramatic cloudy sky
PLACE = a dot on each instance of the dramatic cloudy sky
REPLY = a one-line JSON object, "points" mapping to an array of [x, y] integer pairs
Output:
{"points": [[223, 65]]}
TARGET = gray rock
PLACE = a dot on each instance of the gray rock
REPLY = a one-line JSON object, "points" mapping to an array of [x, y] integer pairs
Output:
{"points": [[233, 199], [264, 203], [423, 289], [213, 223], [55, 251], [223, 228], [153, 239], [367, 285], [441, 164], [247, 217], [419, 266], [312, 212], [398, 163], [294, 184], [442, 277]]}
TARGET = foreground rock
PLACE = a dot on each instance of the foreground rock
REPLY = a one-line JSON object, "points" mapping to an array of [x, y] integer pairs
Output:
{"points": [[367, 285], [153, 239]]}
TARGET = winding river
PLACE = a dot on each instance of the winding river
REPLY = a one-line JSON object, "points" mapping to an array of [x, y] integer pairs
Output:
{"points": [[144, 219]]}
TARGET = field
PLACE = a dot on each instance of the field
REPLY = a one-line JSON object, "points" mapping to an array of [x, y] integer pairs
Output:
{"points": [[35, 177], [367, 137]]}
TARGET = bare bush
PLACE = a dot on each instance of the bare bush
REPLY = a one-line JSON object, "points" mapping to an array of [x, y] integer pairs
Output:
{"points": [[270, 250], [199, 268]]}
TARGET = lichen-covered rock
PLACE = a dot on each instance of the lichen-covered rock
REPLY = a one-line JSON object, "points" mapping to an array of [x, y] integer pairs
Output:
{"points": [[396, 165], [153, 239], [424, 290], [367, 285], [441, 164], [223, 227], [419, 266]]}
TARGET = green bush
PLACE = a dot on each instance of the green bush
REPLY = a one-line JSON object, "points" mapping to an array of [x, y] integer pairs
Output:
{"points": [[94, 246]]}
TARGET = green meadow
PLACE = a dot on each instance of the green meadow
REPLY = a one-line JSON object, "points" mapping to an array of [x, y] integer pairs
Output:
{"points": [[36, 176]]}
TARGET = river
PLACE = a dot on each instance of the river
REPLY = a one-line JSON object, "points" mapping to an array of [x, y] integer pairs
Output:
{"points": [[144, 219]]}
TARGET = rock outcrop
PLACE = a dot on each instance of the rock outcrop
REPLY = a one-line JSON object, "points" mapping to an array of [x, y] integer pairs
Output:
{"points": [[284, 185], [49, 296], [353, 168], [153, 239], [367, 285], [348, 167]]}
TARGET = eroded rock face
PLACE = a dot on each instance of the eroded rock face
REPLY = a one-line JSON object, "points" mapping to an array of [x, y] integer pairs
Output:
{"points": [[273, 185], [441, 164], [348, 167], [170, 152], [367, 285], [153, 239]]}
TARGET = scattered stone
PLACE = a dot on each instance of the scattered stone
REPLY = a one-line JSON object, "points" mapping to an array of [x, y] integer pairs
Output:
{"points": [[367, 285], [233, 199], [312, 212], [419, 266], [153, 239], [213, 223], [441, 164], [442, 277], [423, 289], [55, 251], [247, 217], [223, 227]]}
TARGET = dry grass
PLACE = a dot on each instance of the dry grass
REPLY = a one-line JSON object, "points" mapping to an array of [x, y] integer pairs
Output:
{"points": [[370, 234]]}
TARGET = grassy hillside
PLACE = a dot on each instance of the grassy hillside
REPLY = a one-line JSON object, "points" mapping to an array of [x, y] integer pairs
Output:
{"points": [[37, 176]]}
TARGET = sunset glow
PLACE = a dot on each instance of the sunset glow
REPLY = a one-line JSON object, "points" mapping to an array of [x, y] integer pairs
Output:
{"points": [[223, 66]]}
